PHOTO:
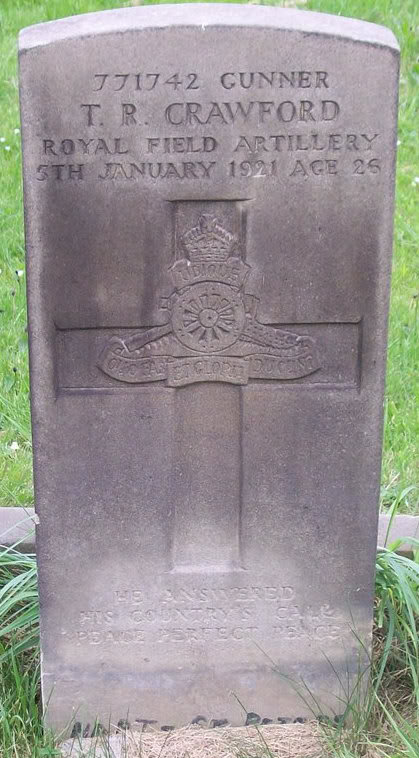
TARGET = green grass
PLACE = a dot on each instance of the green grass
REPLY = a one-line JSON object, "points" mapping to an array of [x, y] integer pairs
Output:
{"points": [[400, 460]]}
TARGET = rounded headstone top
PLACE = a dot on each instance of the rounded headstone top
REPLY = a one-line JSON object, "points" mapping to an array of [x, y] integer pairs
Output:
{"points": [[205, 16]]}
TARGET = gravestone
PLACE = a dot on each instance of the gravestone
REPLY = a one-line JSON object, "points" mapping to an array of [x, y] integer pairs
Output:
{"points": [[209, 200]]}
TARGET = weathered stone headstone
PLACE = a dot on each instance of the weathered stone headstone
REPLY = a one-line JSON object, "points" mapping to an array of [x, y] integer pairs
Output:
{"points": [[209, 198]]}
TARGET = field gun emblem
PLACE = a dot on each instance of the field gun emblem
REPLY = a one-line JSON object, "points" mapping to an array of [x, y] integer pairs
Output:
{"points": [[212, 332]]}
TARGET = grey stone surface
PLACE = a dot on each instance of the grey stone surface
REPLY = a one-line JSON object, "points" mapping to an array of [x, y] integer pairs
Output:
{"points": [[209, 200], [402, 528], [17, 528]]}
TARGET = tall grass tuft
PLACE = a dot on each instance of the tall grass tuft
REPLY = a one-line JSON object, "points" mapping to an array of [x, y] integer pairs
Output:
{"points": [[19, 603], [22, 734], [407, 734], [397, 615], [382, 719]]}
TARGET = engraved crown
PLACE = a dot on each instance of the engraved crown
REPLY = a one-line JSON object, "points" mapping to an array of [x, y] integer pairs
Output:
{"points": [[208, 241]]}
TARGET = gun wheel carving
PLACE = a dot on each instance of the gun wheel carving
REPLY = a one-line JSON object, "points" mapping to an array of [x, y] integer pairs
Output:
{"points": [[208, 317]]}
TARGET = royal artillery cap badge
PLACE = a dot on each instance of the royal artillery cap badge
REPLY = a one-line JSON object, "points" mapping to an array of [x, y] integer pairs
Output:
{"points": [[212, 333]]}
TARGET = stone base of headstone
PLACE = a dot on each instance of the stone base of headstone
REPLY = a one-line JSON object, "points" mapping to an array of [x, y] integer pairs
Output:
{"points": [[281, 740]]}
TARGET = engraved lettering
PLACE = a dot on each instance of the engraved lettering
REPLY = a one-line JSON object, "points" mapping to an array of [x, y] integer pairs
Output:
{"points": [[227, 81], [239, 110], [192, 79], [184, 170], [85, 145], [108, 637], [42, 173], [75, 172], [330, 110], [352, 142], [172, 114], [49, 147], [181, 144], [129, 596], [262, 111], [316, 168], [366, 167], [91, 146], [90, 112], [60, 171], [102, 79], [128, 114], [151, 79], [321, 79], [369, 140], [304, 142], [306, 107], [123, 80], [68, 146], [96, 618], [274, 79]]}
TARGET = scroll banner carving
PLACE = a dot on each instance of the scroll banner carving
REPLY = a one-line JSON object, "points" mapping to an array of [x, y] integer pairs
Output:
{"points": [[218, 368], [212, 333]]}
